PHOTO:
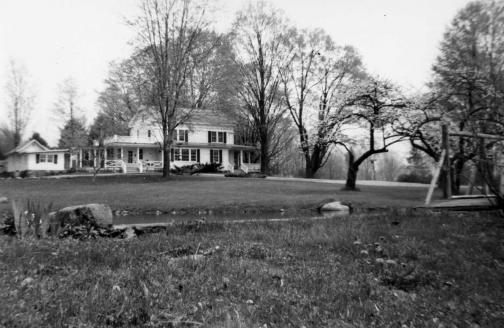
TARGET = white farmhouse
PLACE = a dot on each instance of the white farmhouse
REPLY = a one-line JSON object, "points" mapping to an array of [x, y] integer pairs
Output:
{"points": [[207, 137], [33, 156]]}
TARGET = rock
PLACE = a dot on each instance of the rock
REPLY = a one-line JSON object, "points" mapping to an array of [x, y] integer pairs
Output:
{"points": [[334, 206], [3, 199], [27, 281], [129, 233], [95, 215]]}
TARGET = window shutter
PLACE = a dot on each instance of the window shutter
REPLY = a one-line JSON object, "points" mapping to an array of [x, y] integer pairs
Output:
{"points": [[198, 155], [209, 136], [37, 158], [186, 135], [225, 137], [56, 159], [174, 135], [172, 155], [220, 156]]}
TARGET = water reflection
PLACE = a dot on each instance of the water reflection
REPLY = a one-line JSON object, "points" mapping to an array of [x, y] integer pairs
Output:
{"points": [[173, 218]]}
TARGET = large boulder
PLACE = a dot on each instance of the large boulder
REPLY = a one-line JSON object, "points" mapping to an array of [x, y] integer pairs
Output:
{"points": [[332, 205], [95, 215]]}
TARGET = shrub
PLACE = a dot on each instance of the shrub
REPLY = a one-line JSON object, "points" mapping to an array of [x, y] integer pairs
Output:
{"points": [[414, 177], [208, 168], [32, 220]]}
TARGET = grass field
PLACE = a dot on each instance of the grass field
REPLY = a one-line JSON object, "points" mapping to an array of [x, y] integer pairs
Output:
{"points": [[192, 192], [416, 270]]}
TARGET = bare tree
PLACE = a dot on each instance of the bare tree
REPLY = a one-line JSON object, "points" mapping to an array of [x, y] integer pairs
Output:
{"points": [[122, 96], [168, 33], [261, 55], [66, 108], [68, 111], [20, 98], [314, 81]]}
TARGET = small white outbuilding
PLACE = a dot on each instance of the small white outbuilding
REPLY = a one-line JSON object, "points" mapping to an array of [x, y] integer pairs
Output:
{"points": [[33, 156]]}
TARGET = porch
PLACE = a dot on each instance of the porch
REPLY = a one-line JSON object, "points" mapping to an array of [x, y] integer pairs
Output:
{"points": [[124, 159], [245, 158]]}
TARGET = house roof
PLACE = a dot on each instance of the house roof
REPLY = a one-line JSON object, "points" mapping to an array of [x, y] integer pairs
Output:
{"points": [[25, 148], [210, 117], [196, 117]]}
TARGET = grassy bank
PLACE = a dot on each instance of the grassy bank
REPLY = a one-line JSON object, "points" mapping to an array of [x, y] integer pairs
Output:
{"points": [[415, 270], [192, 192]]}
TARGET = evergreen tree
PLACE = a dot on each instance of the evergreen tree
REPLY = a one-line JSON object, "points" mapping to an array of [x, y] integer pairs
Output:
{"points": [[73, 134], [42, 141]]}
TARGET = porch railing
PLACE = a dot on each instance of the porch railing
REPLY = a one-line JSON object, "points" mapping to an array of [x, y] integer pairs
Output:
{"points": [[152, 165], [250, 167], [115, 164]]}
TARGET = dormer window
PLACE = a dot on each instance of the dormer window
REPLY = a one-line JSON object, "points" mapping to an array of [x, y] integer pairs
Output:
{"points": [[181, 135]]}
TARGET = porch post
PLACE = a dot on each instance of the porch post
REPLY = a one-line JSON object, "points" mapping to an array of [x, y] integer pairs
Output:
{"points": [[240, 160], [105, 157], [138, 154], [80, 158]]}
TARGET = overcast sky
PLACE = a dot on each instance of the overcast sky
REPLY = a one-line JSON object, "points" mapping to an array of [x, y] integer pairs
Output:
{"points": [[55, 39]]}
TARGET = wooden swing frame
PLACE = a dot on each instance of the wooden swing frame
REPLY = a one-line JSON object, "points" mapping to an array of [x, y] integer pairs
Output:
{"points": [[444, 163]]}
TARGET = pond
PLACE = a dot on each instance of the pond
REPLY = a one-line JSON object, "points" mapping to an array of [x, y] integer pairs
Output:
{"points": [[140, 220]]}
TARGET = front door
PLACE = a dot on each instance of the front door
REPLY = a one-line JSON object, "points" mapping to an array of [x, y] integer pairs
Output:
{"points": [[237, 160], [67, 161], [130, 156]]}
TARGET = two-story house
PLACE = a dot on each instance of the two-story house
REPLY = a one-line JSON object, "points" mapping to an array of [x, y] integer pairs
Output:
{"points": [[206, 137]]}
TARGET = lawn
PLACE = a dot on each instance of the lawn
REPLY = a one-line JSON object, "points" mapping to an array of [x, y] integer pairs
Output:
{"points": [[415, 270], [193, 192]]}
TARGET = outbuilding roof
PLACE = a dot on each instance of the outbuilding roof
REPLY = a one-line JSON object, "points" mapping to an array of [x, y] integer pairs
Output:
{"points": [[25, 148]]}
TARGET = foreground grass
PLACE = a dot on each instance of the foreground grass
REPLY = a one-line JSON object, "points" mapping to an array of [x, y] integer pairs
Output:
{"points": [[415, 270], [192, 192]]}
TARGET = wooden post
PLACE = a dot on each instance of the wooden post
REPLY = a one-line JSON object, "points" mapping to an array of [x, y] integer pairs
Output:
{"points": [[435, 177], [445, 145], [472, 180]]}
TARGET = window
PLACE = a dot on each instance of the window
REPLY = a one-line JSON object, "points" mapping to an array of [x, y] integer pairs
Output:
{"points": [[185, 155], [214, 136], [195, 155], [216, 155], [110, 153], [181, 135], [222, 137], [140, 154], [50, 158], [43, 158], [177, 154], [149, 133], [246, 157]]}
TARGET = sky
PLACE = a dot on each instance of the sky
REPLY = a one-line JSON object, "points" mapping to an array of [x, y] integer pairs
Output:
{"points": [[57, 39]]}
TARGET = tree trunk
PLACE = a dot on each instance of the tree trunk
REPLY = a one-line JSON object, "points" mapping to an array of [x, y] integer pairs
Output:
{"points": [[457, 176], [166, 158], [351, 173], [309, 173], [265, 160]]}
